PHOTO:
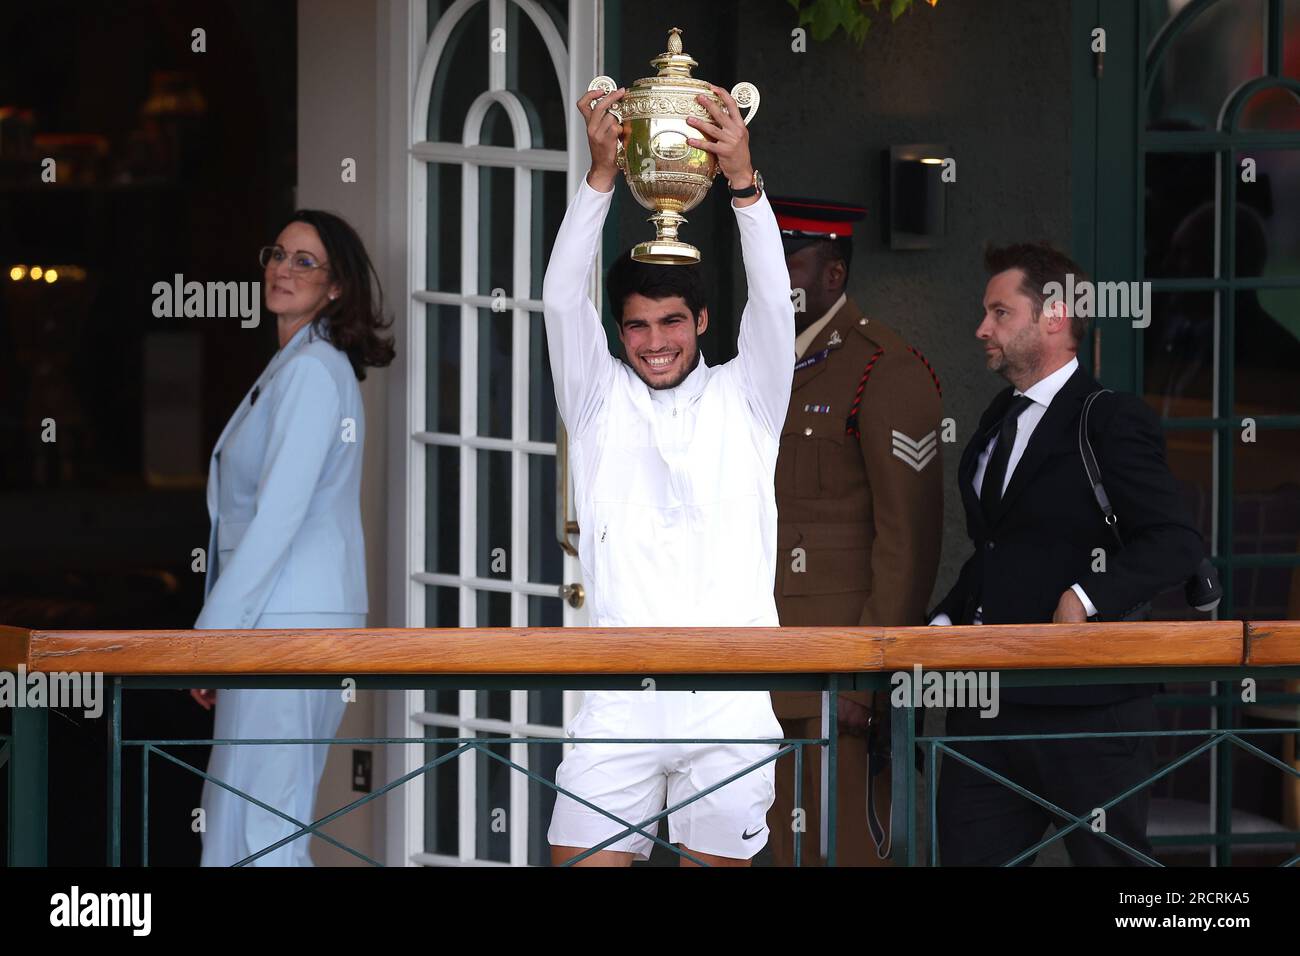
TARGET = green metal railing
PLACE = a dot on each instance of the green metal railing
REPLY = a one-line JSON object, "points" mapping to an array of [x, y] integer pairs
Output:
{"points": [[1221, 835], [481, 745]]}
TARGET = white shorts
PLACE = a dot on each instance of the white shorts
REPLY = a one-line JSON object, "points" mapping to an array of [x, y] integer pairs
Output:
{"points": [[633, 781]]}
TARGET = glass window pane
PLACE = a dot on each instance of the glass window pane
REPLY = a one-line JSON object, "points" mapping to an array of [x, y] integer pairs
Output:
{"points": [[1178, 356], [496, 230], [1268, 230], [441, 817], [545, 612], [442, 511], [493, 611], [1180, 223], [494, 704], [441, 785], [495, 383], [1266, 594], [1266, 492], [530, 72], [497, 130], [445, 701], [1219, 50], [1266, 353], [442, 609], [541, 387], [544, 707], [462, 74], [443, 241], [442, 369], [1271, 109], [550, 199], [543, 759], [1190, 453], [545, 559], [494, 523], [492, 836]]}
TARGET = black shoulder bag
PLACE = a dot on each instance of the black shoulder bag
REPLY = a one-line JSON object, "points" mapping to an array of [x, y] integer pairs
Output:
{"points": [[1202, 590]]}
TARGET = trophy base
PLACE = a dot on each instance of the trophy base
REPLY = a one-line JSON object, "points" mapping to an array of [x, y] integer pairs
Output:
{"points": [[666, 252]]}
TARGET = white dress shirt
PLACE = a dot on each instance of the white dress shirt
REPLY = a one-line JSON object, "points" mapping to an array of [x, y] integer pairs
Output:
{"points": [[1041, 394], [674, 488]]}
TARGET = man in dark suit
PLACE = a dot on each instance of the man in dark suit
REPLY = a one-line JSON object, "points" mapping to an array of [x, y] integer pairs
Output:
{"points": [[1044, 553]]}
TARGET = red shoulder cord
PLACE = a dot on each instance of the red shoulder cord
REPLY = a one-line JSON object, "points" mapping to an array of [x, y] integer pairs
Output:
{"points": [[929, 368], [851, 426]]}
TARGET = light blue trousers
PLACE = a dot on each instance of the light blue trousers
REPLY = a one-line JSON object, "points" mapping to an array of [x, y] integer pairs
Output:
{"points": [[284, 776]]}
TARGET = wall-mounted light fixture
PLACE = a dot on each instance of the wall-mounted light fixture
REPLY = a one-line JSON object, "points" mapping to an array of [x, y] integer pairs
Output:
{"points": [[917, 195]]}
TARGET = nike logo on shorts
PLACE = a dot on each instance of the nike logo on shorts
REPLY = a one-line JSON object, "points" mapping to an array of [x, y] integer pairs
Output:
{"points": [[750, 836]]}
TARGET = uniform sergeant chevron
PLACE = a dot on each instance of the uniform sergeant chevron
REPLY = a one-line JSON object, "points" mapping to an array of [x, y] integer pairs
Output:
{"points": [[918, 454]]}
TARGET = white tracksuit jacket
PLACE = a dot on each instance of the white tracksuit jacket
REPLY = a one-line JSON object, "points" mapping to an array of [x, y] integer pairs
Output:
{"points": [[673, 487]]}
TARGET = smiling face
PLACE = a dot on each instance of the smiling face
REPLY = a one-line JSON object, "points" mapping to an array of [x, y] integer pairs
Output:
{"points": [[659, 338], [298, 295]]}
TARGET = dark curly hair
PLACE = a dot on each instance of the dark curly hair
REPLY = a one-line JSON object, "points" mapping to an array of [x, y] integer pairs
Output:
{"points": [[355, 319]]}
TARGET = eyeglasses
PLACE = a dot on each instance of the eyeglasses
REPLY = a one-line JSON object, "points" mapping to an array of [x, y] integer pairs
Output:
{"points": [[300, 263]]}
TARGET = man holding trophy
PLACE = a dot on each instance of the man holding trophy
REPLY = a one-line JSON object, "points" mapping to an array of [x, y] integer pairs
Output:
{"points": [[673, 463]]}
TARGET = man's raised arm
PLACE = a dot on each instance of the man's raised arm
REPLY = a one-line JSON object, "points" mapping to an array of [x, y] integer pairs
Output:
{"points": [[765, 350], [581, 364]]}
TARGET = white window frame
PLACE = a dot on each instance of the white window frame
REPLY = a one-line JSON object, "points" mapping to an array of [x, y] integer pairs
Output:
{"points": [[404, 153]]}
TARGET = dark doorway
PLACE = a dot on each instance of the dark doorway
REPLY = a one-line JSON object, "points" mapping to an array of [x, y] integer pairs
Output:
{"points": [[167, 159]]}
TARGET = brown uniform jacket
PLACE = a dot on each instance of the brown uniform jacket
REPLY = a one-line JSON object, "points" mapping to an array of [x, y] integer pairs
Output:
{"points": [[859, 485]]}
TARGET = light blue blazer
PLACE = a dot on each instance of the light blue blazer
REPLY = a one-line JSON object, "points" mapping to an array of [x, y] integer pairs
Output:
{"points": [[284, 492]]}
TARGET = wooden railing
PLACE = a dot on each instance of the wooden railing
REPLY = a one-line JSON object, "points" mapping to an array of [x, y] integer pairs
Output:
{"points": [[776, 650]]}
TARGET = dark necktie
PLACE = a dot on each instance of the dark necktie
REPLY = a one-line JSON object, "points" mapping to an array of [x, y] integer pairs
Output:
{"points": [[996, 472]]}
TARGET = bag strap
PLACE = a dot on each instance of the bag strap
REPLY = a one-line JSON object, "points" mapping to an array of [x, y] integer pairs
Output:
{"points": [[1093, 471]]}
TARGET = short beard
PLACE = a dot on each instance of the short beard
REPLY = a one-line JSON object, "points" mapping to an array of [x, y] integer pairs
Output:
{"points": [[660, 386], [1021, 361]]}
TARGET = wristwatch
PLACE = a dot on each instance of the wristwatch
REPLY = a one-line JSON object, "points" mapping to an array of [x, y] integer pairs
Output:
{"points": [[752, 190]]}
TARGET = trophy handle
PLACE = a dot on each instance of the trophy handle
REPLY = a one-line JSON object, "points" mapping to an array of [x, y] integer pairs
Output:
{"points": [[746, 96], [607, 85]]}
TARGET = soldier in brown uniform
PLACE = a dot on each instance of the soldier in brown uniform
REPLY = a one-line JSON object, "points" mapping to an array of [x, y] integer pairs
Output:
{"points": [[859, 494]]}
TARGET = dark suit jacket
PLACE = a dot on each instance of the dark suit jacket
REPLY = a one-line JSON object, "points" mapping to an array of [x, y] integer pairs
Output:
{"points": [[1041, 538]]}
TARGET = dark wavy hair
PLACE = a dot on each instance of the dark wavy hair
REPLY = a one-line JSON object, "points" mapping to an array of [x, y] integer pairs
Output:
{"points": [[627, 277], [355, 319], [1039, 263]]}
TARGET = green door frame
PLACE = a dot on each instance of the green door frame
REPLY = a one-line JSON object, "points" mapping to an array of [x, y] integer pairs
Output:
{"points": [[1105, 190], [1110, 146], [1109, 151]]}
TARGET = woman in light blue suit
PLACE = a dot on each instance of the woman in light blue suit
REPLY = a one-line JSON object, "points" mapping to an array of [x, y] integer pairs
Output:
{"points": [[286, 547]]}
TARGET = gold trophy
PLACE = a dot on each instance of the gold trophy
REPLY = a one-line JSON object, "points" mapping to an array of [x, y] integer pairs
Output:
{"points": [[665, 173]]}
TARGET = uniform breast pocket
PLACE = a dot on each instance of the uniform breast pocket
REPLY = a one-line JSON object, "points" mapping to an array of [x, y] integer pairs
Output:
{"points": [[812, 456]]}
